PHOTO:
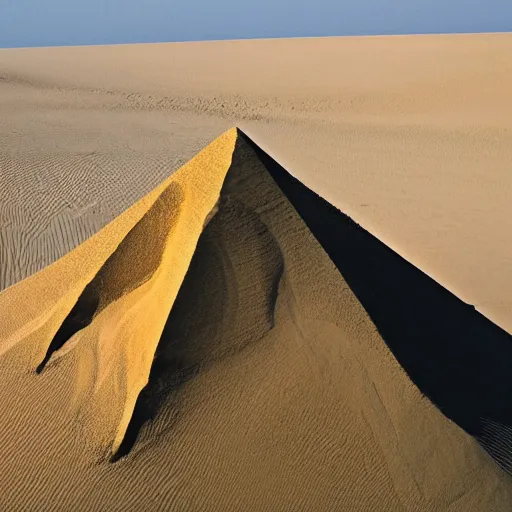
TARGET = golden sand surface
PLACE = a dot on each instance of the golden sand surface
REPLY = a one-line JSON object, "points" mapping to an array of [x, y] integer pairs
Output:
{"points": [[275, 391], [173, 336]]}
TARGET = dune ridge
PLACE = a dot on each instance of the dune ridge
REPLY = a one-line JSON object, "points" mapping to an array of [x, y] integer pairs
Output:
{"points": [[203, 351]]}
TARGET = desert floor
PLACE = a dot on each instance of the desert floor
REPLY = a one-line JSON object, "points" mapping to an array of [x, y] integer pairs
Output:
{"points": [[184, 326]]}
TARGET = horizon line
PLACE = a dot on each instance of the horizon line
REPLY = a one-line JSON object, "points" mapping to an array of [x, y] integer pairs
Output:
{"points": [[244, 39]]}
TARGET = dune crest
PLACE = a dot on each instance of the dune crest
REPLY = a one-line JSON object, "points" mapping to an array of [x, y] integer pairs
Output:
{"points": [[204, 351]]}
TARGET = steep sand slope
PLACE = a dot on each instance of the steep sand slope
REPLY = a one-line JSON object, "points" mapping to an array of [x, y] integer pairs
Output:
{"points": [[411, 136], [456, 356], [270, 389]]}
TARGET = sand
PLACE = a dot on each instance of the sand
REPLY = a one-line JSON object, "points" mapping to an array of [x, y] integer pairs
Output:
{"points": [[191, 329]]}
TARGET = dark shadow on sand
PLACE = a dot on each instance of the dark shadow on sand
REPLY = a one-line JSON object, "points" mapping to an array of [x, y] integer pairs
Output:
{"points": [[458, 358], [78, 318]]}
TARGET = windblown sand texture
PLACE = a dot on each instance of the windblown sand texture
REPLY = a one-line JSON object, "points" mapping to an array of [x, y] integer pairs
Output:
{"points": [[193, 329]]}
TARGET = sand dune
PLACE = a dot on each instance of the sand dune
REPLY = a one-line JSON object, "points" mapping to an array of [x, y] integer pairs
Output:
{"points": [[187, 326], [204, 352]]}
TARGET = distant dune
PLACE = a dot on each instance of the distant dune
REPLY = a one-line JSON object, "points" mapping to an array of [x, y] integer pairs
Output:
{"points": [[185, 325]]}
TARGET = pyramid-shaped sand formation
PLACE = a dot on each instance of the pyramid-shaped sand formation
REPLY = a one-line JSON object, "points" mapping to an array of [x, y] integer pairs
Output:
{"points": [[234, 342]]}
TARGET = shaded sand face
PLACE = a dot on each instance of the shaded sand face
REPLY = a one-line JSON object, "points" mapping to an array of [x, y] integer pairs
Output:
{"points": [[203, 352]]}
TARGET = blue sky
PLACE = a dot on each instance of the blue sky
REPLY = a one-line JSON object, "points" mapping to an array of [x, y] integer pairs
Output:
{"points": [[72, 22]]}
